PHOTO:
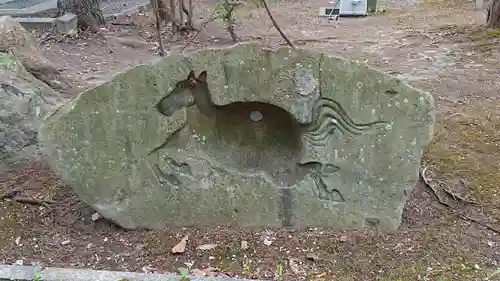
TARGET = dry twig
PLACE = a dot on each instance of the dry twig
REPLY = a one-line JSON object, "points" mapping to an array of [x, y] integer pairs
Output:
{"points": [[276, 25], [431, 187], [444, 203], [10, 193], [14, 191], [33, 201], [197, 33], [229, 18], [123, 23], [58, 40]]}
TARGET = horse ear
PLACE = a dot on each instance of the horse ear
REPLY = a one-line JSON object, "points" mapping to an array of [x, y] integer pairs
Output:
{"points": [[191, 75], [203, 76]]}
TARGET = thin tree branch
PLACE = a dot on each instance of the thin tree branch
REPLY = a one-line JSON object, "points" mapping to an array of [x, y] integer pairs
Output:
{"points": [[11, 192], [276, 25], [229, 18], [14, 191], [197, 33], [161, 50], [33, 201]]}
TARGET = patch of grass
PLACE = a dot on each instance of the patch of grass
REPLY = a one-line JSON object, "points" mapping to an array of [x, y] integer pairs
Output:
{"points": [[457, 269], [465, 268], [467, 147], [184, 274], [39, 277], [279, 272], [485, 34], [484, 41]]}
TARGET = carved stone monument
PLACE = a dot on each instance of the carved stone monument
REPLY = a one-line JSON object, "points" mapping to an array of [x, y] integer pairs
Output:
{"points": [[245, 136]]}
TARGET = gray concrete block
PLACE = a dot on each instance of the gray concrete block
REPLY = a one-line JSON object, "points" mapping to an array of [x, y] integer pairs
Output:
{"points": [[40, 9], [18, 272], [66, 22], [63, 23], [36, 23], [26, 273]]}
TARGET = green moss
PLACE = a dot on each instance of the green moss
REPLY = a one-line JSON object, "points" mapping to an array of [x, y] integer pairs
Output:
{"points": [[467, 147], [8, 62], [482, 34], [455, 269]]}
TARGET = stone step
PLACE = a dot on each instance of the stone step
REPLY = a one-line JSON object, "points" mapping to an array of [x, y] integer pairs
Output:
{"points": [[63, 24], [29, 273], [36, 10]]}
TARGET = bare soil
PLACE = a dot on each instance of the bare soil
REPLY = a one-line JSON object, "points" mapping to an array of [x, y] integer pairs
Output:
{"points": [[441, 47]]}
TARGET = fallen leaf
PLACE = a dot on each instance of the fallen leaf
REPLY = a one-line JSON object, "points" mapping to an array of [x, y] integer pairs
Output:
{"points": [[181, 246], [268, 242], [211, 271], [206, 247], [320, 256], [244, 245], [343, 238], [294, 265], [198, 272], [312, 256], [322, 276], [96, 216]]}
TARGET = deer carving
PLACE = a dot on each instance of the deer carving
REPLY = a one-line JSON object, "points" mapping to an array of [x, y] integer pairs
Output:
{"points": [[271, 142]]}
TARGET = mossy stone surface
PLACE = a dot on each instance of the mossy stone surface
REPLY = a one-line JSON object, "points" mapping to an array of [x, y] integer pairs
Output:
{"points": [[361, 134]]}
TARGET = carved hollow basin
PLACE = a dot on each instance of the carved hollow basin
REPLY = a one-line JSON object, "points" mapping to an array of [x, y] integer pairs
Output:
{"points": [[244, 135]]}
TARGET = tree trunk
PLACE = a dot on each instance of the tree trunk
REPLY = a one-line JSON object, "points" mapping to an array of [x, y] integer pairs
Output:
{"points": [[175, 27], [88, 12], [493, 17], [190, 15], [181, 12], [162, 10]]}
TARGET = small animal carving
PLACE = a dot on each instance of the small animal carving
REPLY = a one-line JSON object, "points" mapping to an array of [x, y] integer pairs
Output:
{"points": [[256, 136], [328, 115], [247, 136]]}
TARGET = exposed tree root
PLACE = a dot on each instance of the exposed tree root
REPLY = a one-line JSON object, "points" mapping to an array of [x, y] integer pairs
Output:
{"points": [[453, 210]]}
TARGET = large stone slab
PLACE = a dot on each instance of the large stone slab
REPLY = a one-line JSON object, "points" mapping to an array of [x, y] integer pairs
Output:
{"points": [[24, 103], [254, 137]]}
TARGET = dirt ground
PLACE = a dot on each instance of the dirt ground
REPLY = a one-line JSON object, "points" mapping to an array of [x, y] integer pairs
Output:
{"points": [[451, 226]]}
